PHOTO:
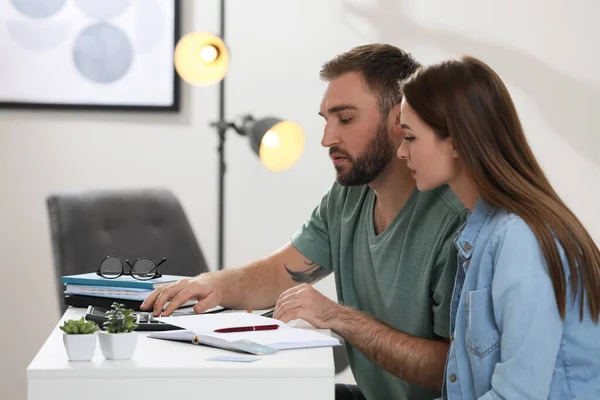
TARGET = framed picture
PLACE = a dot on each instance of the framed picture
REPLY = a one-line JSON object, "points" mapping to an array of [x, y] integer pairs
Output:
{"points": [[89, 54]]}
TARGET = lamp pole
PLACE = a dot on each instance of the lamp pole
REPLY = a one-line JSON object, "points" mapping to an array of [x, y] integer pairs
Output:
{"points": [[222, 127]]}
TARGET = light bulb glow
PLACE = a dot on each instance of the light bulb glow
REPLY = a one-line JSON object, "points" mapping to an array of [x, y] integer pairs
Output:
{"points": [[209, 53], [201, 58], [282, 146], [270, 139]]}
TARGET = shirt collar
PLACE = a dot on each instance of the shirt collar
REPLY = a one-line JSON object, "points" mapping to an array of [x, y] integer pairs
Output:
{"points": [[465, 241]]}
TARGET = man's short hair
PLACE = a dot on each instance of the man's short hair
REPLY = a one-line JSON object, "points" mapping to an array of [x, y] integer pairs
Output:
{"points": [[383, 67]]}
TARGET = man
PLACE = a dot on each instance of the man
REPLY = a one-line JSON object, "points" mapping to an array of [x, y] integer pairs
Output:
{"points": [[390, 246]]}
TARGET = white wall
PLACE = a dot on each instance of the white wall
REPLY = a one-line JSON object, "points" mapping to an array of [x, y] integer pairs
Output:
{"points": [[543, 49]]}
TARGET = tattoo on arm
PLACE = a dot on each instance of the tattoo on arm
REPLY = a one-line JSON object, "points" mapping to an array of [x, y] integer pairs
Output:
{"points": [[314, 273]]}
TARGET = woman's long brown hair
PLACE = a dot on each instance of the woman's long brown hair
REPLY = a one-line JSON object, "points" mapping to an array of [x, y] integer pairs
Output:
{"points": [[466, 100]]}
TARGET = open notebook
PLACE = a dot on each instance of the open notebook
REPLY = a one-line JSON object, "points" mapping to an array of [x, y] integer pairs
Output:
{"points": [[200, 329]]}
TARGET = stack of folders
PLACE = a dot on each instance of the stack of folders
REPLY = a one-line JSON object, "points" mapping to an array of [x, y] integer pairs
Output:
{"points": [[243, 332], [83, 290]]}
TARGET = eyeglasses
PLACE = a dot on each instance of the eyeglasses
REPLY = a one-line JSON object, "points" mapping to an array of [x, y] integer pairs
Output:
{"points": [[143, 268]]}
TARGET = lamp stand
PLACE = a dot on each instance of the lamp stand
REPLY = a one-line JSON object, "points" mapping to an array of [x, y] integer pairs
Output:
{"points": [[222, 127]]}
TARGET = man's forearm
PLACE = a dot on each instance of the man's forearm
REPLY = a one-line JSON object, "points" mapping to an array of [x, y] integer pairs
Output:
{"points": [[249, 286], [416, 360]]}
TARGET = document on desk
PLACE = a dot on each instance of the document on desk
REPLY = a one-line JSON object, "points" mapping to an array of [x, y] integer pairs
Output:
{"points": [[203, 327]]}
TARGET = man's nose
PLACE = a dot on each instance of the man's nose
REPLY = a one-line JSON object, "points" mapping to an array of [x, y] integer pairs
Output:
{"points": [[330, 138]]}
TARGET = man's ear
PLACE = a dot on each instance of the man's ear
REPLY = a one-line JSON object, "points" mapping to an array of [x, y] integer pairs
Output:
{"points": [[394, 117]]}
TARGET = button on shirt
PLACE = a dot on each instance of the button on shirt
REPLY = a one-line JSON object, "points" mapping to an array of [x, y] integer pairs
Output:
{"points": [[509, 339]]}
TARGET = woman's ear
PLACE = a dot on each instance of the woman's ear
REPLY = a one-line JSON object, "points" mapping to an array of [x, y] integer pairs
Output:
{"points": [[452, 148]]}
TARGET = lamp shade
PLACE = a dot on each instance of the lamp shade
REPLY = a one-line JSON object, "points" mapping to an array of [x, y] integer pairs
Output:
{"points": [[279, 144], [201, 58]]}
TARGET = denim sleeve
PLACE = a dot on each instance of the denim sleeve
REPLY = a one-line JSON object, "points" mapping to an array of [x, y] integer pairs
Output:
{"points": [[526, 314]]}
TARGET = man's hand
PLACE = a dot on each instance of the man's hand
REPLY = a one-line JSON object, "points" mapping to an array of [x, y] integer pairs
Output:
{"points": [[203, 289], [306, 302]]}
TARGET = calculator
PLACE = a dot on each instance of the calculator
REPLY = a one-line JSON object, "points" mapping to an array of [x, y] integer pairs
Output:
{"points": [[144, 319]]}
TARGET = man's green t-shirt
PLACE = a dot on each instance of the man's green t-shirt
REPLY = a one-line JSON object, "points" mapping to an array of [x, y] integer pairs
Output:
{"points": [[403, 277]]}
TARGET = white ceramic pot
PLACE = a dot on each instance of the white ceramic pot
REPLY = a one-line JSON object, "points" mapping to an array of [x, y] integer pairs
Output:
{"points": [[80, 347], [117, 346]]}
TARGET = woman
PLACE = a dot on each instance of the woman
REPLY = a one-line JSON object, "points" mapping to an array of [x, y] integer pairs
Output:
{"points": [[526, 300]]}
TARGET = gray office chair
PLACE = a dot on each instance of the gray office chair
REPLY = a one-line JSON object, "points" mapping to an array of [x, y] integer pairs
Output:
{"points": [[88, 226]]}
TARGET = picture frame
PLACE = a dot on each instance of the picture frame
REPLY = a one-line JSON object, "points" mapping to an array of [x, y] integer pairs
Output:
{"points": [[90, 55]]}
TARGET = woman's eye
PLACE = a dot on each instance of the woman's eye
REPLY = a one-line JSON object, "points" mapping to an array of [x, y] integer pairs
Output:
{"points": [[409, 138]]}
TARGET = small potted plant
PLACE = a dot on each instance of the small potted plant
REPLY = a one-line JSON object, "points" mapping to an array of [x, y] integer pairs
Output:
{"points": [[118, 341], [79, 338]]}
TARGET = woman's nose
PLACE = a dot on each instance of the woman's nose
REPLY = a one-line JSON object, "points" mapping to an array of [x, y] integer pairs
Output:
{"points": [[403, 150]]}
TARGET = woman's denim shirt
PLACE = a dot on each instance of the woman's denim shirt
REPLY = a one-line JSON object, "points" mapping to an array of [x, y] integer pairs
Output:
{"points": [[508, 339]]}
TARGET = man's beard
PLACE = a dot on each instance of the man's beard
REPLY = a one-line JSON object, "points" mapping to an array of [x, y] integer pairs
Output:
{"points": [[370, 163]]}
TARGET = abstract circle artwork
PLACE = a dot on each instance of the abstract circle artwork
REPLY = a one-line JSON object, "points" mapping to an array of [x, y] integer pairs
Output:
{"points": [[89, 53], [103, 53], [38, 9]]}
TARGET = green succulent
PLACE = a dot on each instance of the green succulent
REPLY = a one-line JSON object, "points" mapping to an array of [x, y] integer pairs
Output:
{"points": [[79, 327], [120, 319]]}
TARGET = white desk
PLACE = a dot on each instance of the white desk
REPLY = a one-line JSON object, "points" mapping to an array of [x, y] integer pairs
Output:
{"points": [[162, 370]]}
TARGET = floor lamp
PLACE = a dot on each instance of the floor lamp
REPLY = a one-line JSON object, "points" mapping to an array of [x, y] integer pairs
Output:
{"points": [[202, 59]]}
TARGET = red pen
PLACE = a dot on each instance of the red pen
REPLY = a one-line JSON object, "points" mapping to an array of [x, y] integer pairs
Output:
{"points": [[247, 328]]}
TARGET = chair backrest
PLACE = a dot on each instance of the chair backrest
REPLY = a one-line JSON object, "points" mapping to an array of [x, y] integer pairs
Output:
{"points": [[88, 226]]}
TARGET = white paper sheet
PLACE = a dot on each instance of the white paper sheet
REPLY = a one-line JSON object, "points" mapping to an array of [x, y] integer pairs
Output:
{"points": [[281, 338]]}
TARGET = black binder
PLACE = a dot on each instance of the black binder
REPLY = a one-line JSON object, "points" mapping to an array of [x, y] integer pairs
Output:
{"points": [[77, 300]]}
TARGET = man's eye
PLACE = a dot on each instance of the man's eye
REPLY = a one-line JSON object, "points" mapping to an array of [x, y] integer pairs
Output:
{"points": [[345, 121]]}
